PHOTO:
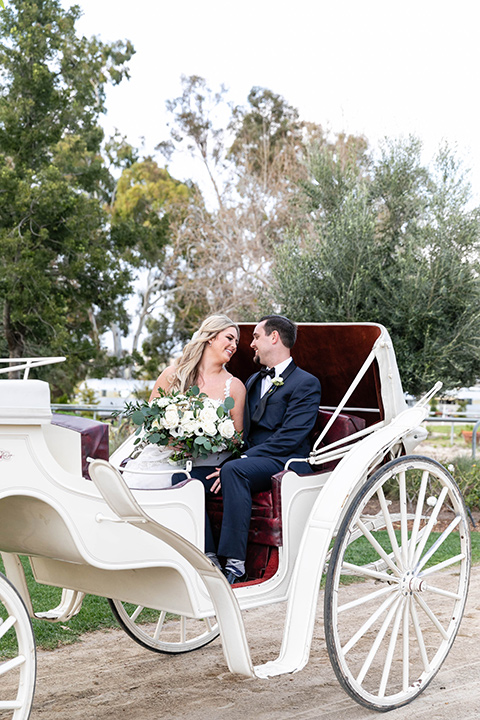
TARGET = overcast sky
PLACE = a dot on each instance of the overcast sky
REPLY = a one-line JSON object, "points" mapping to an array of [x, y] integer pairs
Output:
{"points": [[372, 67]]}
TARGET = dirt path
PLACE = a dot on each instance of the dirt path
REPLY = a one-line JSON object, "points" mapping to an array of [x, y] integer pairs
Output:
{"points": [[107, 675]]}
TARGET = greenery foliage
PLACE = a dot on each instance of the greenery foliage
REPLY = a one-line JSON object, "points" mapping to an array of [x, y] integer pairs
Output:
{"points": [[61, 282], [392, 242], [467, 476]]}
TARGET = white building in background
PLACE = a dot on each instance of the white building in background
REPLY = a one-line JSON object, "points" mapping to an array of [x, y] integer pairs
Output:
{"points": [[472, 396], [114, 392], [451, 402]]}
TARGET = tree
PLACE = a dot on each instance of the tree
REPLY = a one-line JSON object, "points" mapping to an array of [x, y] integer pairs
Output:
{"points": [[252, 165], [61, 282], [395, 243], [149, 207]]}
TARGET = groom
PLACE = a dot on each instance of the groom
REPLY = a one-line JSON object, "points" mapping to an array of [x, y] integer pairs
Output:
{"points": [[280, 411]]}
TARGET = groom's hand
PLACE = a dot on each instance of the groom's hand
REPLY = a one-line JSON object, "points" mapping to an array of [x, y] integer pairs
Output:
{"points": [[216, 485]]}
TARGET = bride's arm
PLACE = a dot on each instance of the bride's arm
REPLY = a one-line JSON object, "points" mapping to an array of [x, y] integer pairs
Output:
{"points": [[238, 392]]}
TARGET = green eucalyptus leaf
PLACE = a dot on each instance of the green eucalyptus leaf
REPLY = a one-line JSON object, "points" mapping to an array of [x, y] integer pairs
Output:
{"points": [[138, 417], [229, 403]]}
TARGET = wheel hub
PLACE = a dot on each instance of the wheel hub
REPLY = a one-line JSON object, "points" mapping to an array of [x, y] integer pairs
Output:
{"points": [[411, 583]]}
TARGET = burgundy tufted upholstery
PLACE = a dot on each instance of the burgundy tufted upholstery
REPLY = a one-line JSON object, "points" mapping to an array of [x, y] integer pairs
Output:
{"points": [[343, 426], [94, 437]]}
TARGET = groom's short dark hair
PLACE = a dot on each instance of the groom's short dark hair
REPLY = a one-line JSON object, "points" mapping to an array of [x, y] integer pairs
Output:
{"points": [[285, 328]]}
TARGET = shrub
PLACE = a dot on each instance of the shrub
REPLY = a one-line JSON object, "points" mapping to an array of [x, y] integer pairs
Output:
{"points": [[467, 476]]}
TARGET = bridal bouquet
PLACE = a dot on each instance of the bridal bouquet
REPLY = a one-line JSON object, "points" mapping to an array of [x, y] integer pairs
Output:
{"points": [[190, 423]]}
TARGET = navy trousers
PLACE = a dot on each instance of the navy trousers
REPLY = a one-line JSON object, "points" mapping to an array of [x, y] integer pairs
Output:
{"points": [[240, 479]]}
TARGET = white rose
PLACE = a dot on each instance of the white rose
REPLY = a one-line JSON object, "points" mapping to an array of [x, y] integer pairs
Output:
{"points": [[210, 428], [208, 415], [188, 422], [226, 428], [171, 418], [161, 402]]}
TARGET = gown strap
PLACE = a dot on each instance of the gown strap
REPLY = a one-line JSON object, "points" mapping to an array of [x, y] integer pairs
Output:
{"points": [[227, 386]]}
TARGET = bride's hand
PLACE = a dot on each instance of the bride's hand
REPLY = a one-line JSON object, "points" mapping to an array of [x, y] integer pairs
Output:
{"points": [[216, 485]]}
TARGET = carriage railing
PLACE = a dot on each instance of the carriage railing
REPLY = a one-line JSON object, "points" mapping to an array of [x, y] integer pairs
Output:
{"points": [[27, 364], [370, 358], [339, 448]]}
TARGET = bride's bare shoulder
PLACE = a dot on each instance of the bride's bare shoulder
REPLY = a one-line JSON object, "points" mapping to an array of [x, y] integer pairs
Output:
{"points": [[237, 386], [164, 381]]}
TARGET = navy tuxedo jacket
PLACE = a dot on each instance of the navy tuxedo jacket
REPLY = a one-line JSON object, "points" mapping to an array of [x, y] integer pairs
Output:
{"points": [[278, 425]]}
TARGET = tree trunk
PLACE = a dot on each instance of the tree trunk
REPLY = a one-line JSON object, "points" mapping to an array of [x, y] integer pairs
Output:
{"points": [[15, 339]]}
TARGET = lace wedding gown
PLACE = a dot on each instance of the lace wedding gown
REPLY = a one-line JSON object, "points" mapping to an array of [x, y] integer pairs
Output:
{"points": [[151, 470]]}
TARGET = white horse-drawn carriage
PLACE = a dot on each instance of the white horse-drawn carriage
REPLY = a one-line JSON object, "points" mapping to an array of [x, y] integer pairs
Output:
{"points": [[388, 528]]}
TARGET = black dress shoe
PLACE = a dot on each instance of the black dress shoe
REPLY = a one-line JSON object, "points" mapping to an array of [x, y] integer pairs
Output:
{"points": [[233, 579]]}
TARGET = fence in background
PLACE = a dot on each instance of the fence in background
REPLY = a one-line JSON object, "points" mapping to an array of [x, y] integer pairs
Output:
{"points": [[103, 413]]}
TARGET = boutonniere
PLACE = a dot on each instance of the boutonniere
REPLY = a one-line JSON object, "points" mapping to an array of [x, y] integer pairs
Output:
{"points": [[277, 381]]}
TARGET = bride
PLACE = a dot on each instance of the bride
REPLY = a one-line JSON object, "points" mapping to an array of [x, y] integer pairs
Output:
{"points": [[202, 363]]}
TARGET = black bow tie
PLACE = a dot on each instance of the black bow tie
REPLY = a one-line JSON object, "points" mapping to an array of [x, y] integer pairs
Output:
{"points": [[267, 371]]}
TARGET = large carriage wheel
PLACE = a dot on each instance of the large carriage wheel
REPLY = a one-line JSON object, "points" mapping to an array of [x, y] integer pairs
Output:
{"points": [[17, 673], [397, 582], [161, 632]]}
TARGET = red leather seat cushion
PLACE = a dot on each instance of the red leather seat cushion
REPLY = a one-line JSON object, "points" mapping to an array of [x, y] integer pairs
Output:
{"points": [[94, 437]]}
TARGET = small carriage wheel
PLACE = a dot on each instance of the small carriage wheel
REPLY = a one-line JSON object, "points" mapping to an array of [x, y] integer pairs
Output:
{"points": [[397, 582], [18, 669], [161, 632]]}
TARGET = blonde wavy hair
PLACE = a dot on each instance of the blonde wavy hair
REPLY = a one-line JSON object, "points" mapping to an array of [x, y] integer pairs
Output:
{"points": [[186, 366]]}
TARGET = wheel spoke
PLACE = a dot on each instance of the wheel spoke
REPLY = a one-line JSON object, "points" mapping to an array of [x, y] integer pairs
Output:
{"points": [[136, 613], [443, 592], [427, 610], [365, 570], [389, 526], [402, 482], [418, 515], [391, 649], [6, 625], [378, 641], [430, 525], [419, 636], [365, 599], [368, 624], [15, 662], [159, 626], [438, 542], [376, 545], [444, 564], [406, 646]]}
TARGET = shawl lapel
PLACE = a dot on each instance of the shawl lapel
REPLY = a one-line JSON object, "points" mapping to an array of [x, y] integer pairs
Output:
{"points": [[260, 409], [253, 396]]}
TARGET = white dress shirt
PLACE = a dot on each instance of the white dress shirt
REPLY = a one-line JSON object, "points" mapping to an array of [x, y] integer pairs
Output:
{"points": [[267, 381]]}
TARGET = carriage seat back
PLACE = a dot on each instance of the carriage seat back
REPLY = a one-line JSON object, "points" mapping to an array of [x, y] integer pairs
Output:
{"points": [[24, 402]]}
